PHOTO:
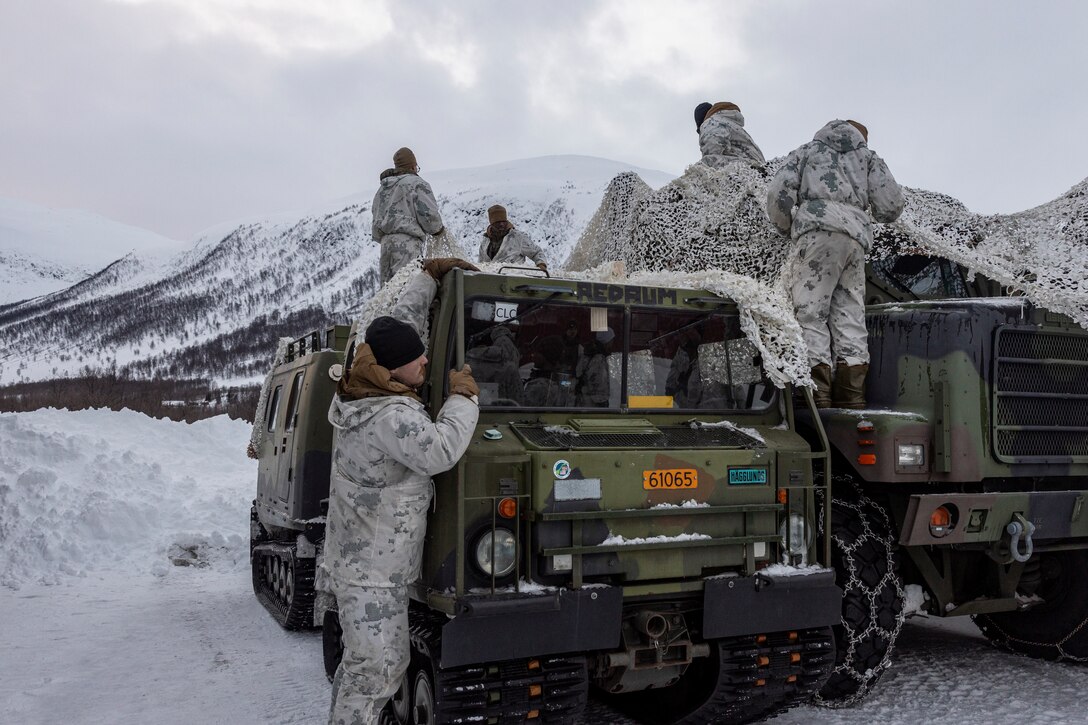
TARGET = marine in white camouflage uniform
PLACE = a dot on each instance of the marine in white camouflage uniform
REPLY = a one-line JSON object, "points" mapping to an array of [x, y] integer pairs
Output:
{"points": [[822, 197], [404, 212], [502, 243], [722, 138], [386, 450]]}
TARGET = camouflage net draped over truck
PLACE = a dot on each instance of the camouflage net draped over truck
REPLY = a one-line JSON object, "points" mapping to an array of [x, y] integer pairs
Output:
{"points": [[712, 224]]}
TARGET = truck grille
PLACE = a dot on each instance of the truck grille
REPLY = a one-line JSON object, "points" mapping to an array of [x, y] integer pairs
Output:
{"points": [[1040, 396], [680, 436]]}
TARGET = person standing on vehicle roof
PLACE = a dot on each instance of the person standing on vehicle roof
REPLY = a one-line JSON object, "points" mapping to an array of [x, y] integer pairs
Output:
{"points": [[722, 138], [502, 243], [386, 450], [822, 197], [404, 212]]}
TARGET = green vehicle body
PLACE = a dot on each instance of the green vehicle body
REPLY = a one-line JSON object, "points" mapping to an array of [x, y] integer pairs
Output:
{"points": [[611, 567], [993, 392]]}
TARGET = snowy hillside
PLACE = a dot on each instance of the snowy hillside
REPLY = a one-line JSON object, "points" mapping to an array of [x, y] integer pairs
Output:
{"points": [[216, 309], [43, 250], [126, 597]]}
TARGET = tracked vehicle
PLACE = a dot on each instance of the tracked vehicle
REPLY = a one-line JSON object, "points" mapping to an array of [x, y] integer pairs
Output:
{"points": [[969, 472], [636, 512]]}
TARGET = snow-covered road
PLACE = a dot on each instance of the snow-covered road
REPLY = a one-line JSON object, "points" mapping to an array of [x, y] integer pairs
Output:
{"points": [[97, 627]]}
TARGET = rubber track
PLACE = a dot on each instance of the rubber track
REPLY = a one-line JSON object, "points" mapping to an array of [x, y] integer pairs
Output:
{"points": [[746, 691], [299, 612], [468, 694]]}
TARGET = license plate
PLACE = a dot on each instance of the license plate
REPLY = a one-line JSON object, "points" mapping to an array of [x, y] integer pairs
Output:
{"points": [[745, 476], [669, 479]]}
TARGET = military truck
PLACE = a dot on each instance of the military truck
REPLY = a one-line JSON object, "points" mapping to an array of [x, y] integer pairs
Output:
{"points": [[971, 464], [636, 511]]}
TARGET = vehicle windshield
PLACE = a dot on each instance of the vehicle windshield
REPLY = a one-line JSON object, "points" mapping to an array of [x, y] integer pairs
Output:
{"points": [[922, 276], [551, 354]]}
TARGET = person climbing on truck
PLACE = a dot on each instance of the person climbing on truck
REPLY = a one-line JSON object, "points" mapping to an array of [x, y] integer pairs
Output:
{"points": [[404, 212], [722, 138], [505, 244], [388, 449], [821, 198]]}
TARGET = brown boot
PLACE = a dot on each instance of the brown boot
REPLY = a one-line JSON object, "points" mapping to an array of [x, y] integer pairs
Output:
{"points": [[848, 388], [821, 376]]}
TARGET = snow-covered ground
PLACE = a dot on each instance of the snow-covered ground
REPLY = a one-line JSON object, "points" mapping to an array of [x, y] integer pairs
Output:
{"points": [[100, 625]]}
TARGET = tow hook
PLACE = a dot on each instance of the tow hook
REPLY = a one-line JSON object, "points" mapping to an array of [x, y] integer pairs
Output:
{"points": [[1019, 526]]}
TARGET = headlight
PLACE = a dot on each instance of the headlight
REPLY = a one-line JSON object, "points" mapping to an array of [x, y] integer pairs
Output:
{"points": [[497, 552], [910, 454], [800, 537]]}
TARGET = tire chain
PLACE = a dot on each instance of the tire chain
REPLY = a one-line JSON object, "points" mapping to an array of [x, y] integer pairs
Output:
{"points": [[876, 530], [1063, 656]]}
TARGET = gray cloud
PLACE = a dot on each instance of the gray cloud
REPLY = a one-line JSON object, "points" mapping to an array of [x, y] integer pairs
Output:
{"points": [[175, 116]]}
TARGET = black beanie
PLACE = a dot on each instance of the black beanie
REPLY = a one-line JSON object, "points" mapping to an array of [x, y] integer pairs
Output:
{"points": [[394, 343], [700, 114]]}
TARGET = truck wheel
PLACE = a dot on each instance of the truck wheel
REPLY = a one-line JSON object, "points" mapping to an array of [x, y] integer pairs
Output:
{"points": [[1056, 629], [332, 647], [423, 703], [863, 554]]}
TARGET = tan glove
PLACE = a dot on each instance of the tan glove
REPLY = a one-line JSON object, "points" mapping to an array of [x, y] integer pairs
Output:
{"points": [[462, 383], [438, 267]]}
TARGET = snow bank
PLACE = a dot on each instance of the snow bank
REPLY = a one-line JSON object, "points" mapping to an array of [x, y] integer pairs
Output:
{"points": [[99, 490]]}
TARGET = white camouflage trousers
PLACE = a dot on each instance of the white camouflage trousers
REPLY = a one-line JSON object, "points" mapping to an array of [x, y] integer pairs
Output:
{"points": [[829, 297], [398, 250], [376, 652]]}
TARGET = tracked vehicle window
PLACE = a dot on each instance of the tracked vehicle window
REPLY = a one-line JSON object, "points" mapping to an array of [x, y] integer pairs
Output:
{"points": [[274, 408], [544, 354], [693, 361], [923, 276], [292, 400]]}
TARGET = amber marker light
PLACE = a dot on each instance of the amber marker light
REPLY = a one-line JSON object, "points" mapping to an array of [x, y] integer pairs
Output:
{"points": [[940, 522], [763, 660], [867, 459], [535, 690], [783, 496], [534, 664], [865, 426], [508, 508], [795, 657]]}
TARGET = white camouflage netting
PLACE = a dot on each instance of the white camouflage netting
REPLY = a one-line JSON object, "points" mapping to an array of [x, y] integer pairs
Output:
{"points": [[709, 230]]}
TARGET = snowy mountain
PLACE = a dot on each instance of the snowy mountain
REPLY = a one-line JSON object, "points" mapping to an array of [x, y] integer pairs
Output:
{"points": [[44, 250], [216, 308]]}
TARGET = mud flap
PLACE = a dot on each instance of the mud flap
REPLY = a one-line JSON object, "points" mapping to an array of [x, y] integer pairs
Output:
{"points": [[734, 606], [568, 620]]}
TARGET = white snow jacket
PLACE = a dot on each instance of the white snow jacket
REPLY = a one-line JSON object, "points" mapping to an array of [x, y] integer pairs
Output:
{"points": [[386, 449], [722, 140], [406, 205], [830, 184], [515, 247]]}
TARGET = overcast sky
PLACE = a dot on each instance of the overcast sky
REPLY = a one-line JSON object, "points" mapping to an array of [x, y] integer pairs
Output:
{"points": [[175, 115]]}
